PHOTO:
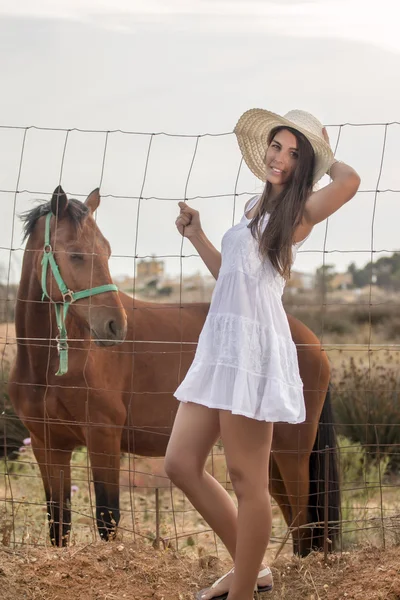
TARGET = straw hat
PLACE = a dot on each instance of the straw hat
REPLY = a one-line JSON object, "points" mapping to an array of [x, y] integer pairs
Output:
{"points": [[254, 126]]}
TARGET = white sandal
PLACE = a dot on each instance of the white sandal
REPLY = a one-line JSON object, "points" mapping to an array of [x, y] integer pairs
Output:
{"points": [[258, 588], [263, 589]]}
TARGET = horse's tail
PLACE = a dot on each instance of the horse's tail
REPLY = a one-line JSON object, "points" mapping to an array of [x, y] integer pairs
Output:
{"points": [[325, 449]]}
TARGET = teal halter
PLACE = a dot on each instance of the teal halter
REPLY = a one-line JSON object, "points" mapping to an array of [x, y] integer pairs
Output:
{"points": [[61, 308]]}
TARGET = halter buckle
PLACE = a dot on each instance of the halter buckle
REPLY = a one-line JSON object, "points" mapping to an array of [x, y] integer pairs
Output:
{"points": [[68, 297], [61, 344], [47, 249]]}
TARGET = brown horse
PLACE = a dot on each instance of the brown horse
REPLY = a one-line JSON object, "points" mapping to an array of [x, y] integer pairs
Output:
{"points": [[126, 358]]}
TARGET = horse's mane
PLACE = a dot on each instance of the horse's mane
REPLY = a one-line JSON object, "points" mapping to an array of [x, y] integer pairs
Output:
{"points": [[76, 210]]}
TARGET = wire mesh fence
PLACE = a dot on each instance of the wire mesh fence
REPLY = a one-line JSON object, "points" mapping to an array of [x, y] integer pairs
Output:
{"points": [[141, 177]]}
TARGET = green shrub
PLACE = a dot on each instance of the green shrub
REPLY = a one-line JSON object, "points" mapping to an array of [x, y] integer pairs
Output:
{"points": [[361, 480], [366, 401], [357, 471]]}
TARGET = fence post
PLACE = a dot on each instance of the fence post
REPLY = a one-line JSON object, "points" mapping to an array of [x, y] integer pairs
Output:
{"points": [[61, 511], [157, 540], [326, 504], [378, 457]]}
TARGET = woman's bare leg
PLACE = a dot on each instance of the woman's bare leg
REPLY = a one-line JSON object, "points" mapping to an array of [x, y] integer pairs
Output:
{"points": [[195, 431], [247, 444]]}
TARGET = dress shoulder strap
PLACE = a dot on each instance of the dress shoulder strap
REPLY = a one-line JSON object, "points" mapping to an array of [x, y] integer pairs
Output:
{"points": [[252, 202]]}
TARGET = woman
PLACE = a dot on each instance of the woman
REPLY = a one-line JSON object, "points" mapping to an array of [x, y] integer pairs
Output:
{"points": [[245, 375]]}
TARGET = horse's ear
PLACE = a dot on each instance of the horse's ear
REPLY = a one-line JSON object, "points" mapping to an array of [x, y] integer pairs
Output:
{"points": [[59, 202], [93, 200]]}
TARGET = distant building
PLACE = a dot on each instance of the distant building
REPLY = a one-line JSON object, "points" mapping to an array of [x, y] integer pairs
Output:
{"points": [[124, 282], [149, 269], [341, 281], [300, 281], [149, 273]]}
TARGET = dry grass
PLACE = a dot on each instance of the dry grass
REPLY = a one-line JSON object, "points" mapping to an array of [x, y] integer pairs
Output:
{"points": [[24, 509]]}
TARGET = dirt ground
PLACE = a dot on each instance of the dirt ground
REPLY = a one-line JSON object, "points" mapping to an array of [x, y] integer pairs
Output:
{"points": [[139, 572]]}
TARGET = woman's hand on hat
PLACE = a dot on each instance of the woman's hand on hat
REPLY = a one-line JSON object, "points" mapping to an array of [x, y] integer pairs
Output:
{"points": [[188, 222]]}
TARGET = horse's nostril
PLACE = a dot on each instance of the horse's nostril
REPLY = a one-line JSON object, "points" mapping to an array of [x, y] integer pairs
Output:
{"points": [[113, 327]]}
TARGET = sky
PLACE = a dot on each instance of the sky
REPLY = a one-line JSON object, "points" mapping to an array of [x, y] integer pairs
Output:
{"points": [[189, 68]]}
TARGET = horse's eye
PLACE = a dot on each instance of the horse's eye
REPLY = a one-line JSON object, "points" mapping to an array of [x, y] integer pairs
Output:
{"points": [[77, 257]]}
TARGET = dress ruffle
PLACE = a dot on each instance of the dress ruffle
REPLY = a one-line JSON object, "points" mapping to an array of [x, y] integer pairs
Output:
{"points": [[246, 361]]}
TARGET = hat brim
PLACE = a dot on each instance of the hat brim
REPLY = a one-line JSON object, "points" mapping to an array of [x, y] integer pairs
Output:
{"points": [[252, 132]]}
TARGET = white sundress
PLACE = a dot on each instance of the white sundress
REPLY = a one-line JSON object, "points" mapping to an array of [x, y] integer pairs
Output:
{"points": [[246, 361]]}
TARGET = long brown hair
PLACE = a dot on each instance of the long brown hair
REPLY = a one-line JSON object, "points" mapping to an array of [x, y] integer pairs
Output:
{"points": [[286, 210]]}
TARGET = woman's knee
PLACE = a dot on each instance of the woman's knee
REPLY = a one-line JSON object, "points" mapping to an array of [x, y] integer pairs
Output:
{"points": [[181, 469], [245, 484], [172, 465]]}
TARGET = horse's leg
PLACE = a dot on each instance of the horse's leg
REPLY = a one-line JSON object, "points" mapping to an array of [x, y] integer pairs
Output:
{"points": [[293, 463], [296, 478], [55, 469], [104, 445], [278, 491], [295, 443]]}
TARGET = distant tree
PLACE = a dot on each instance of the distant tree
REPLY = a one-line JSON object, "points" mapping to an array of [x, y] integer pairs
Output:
{"points": [[385, 273], [361, 277], [323, 278]]}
